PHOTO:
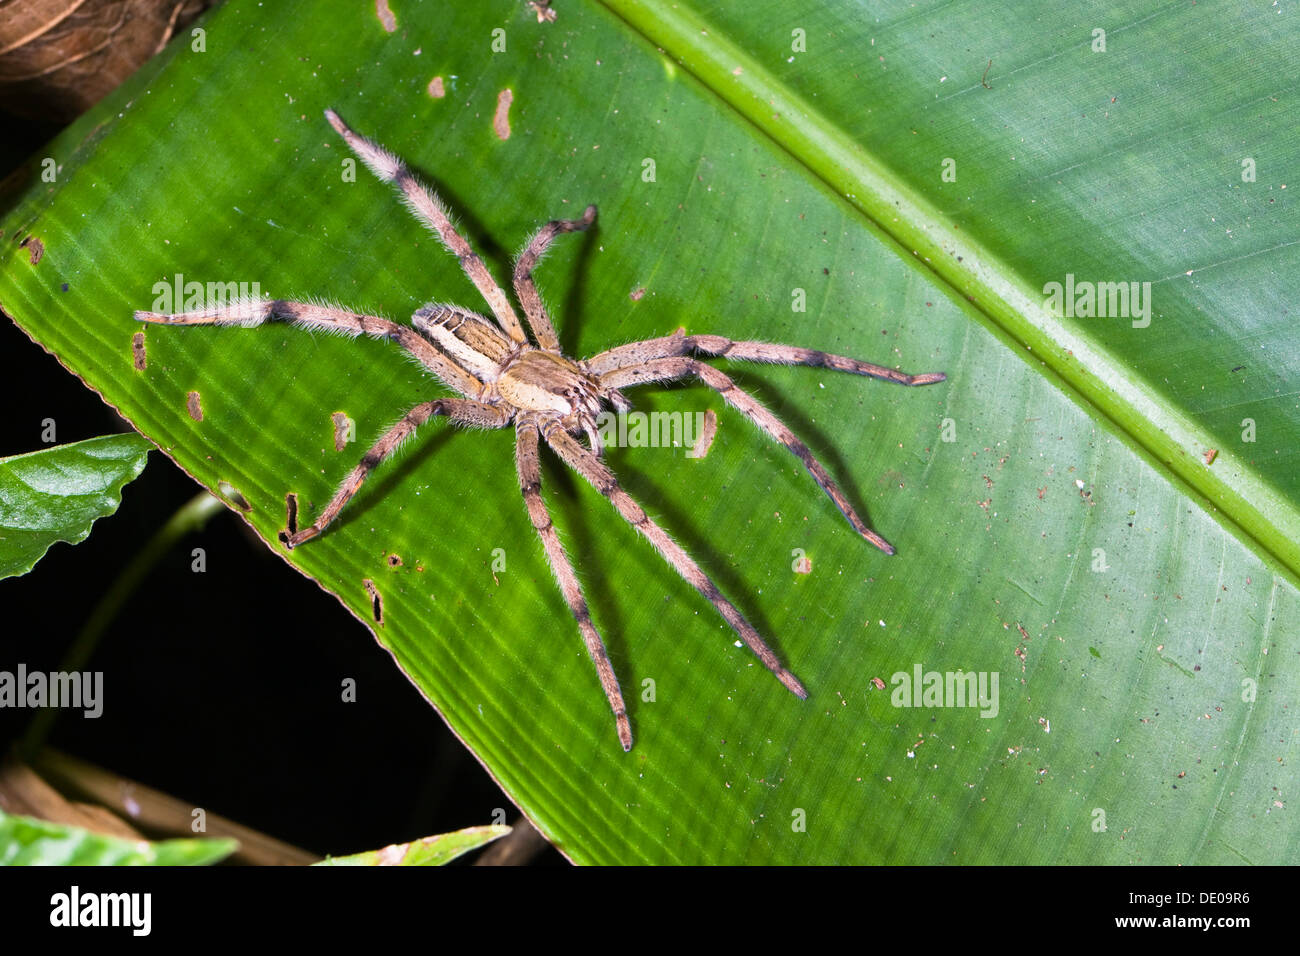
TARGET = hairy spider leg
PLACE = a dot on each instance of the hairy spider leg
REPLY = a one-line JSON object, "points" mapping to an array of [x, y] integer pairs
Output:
{"points": [[679, 343], [460, 410], [530, 483], [427, 207], [529, 298], [666, 369], [667, 358], [323, 318], [602, 479]]}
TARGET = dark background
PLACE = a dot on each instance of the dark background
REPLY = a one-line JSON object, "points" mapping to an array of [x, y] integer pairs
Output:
{"points": [[221, 688]]}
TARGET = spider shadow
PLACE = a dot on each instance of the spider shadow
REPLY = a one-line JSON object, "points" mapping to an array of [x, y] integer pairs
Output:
{"points": [[569, 323], [481, 240], [566, 323], [712, 559], [606, 594], [384, 481], [561, 486], [718, 562], [784, 406], [748, 377]]}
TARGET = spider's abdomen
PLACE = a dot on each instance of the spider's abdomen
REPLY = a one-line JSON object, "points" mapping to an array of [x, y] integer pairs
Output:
{"points": [[472, 342], [546, 382]]}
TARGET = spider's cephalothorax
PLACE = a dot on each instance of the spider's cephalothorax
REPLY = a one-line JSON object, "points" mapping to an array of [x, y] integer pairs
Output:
{"points": [[505, 379], [553, 385], [518, 375]]}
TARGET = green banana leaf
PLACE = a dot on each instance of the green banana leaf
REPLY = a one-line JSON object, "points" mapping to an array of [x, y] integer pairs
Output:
{"points": [[1100, 512]]}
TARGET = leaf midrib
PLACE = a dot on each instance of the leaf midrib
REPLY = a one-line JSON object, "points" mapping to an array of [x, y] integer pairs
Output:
{"points": [[1106, 387]]}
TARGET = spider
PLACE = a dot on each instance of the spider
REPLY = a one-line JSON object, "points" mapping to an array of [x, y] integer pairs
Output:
{"points": [[505, 379]]}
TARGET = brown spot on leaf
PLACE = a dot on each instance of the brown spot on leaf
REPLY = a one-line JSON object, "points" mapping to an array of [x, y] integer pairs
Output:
{"points": [[1084, 493], [436, 88], [376, 601], [1020, 650], [543, 10], [501, 119], [343, 430], [637, 294], [878, 683], [803, 565], [1210, 455], [705, 440], [291, 513], [234, 496], [137, 352], [35, 249], [386, 18], [890, 477], [394, 561], [193, 407]]}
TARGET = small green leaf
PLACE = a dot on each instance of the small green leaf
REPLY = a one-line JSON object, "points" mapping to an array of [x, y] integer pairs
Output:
{"points": [[27, 841], [1094, 652], [436, 850], [57, 494]]}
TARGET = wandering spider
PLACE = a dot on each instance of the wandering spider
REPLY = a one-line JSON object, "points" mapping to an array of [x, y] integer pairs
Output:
{"points": [[504, 379]]}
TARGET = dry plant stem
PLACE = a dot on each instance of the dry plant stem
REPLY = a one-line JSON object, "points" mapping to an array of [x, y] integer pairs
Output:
{"points": [[504, 378], [160, 814], [517, 848]]}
